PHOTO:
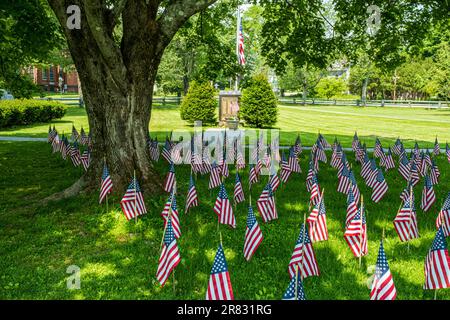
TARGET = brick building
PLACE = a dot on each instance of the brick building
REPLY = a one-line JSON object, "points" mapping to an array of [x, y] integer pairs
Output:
{"points": [[54, 79]]}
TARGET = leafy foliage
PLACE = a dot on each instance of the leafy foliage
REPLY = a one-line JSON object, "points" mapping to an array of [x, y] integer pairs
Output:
{"points": [[331, 87], [28, 33], [199, 103], [258, 103], [21, 112]]}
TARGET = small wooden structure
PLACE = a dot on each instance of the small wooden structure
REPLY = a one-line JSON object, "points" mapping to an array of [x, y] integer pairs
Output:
{"points": [[228, 108]]}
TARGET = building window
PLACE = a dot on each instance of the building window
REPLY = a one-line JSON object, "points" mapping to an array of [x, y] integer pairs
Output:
{"points": [[52, 76], [44, 74]]}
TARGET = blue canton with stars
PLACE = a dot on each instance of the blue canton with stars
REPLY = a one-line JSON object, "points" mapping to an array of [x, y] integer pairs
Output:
{"points": [[289, 294], [220, 264], [105, 172], [251, 219], [169, 237], [439, 242], [382, 265], [303, 231], [222, 192]]}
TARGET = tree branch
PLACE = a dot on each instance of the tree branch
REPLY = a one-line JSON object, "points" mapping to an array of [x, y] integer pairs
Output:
{"points": [[176, 14]]}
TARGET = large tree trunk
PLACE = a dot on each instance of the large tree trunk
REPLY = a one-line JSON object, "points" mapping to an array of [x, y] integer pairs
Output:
{"points": [[117, 81]]}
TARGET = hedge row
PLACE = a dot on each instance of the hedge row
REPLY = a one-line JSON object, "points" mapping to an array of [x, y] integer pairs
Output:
{"points": [[20, 112]]}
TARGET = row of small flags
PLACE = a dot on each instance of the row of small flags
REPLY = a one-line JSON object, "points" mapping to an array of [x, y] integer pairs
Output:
{"points": [[61, 144], [303, 261]]}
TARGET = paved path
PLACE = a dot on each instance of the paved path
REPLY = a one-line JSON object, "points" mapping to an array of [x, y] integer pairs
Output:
{"points": [[8, 138]]}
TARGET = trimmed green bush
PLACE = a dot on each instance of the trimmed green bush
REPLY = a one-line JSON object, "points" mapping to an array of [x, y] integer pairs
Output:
{"points": [[258, 106], [331, 88], [22, 112], [199, 103]]}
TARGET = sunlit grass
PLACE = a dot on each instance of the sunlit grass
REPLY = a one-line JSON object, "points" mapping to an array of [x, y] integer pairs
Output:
{"points": [[119, 258]]}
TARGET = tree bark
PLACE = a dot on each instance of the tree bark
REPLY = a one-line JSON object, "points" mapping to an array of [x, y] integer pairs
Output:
{"points": [[117, 82]]}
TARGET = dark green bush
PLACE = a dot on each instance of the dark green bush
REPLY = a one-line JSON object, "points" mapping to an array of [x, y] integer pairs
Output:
{"points": [[21, 112], [258, 106], [199, 103]]}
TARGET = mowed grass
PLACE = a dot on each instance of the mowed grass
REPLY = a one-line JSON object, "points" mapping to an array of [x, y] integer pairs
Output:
{"points": [[411, 125], [119, 258]]}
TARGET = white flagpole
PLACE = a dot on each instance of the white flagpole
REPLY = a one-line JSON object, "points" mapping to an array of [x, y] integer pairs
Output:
{"points": [[238, 20]]}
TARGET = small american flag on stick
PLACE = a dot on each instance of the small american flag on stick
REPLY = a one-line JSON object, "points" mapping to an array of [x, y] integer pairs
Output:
{"points": [[253, 235], [219, 285], [437, 264], [383, 287], [132, 202]]}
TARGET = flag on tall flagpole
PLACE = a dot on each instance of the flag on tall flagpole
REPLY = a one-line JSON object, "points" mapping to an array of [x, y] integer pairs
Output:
{"points": [[240, 40], [219, 286]]}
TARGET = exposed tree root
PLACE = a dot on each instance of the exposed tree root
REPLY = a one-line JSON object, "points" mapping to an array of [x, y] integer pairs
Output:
{"points": [[72, 191]]}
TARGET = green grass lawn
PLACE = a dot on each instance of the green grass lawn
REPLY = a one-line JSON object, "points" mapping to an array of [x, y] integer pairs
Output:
{"points": [[118, 259], [387, 123]]}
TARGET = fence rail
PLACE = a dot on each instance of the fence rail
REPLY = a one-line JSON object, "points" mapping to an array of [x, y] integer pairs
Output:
{"points": [[367, 103], [78, 101]]}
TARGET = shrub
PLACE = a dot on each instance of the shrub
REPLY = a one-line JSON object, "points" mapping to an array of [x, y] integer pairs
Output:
{"points": [[258, 103], [199, 103], [331, 87], [21, 112]]}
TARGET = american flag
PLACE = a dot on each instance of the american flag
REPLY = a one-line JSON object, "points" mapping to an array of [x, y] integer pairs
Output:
{"points": [[405, 193], [170, 178], [397, 148], [372, 175], [214, 176], [413, 174], [51, 134], [383, 287], [303, 258], [285, 169], [360, 152], [154, 150], [365, 170], [192, 198], [86, 159], [238, 191], [274, 180], [317, 221], [132, 202], [315, 191], [378, 149], [309, 176], [437, 264], [240, 161], [416, 150], [223, 208], [443, 219], [293, 161], [356, 234], [428, 195], [404, 167], [241, 56], [437, 149], [434, 173], [389, 161], [166, 150], [424, 164], [266, 204], [75, 134], [447, 151], [344, 181], [170, 256], [343, 163], [295, 292], [253, 177], [323, 142], [207, 166], [258, 167], [352, 207], [75, 154], [355, 141], [267, 158], [106, 185], [83, 137], [405, 222], [320, 153], [354, 187], [55, 143], [253, 235], [336, 156], [224, 167], [298, 146], [176, 153], [219, 286], [380, 187], [171, 209]]}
